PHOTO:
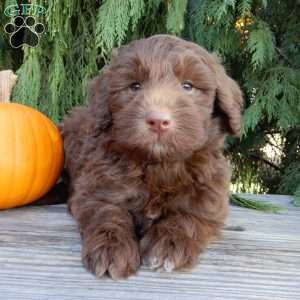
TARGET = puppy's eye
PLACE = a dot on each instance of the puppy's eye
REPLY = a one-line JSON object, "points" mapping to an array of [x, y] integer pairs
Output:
{"points": [[187, 86], [136, 86]]}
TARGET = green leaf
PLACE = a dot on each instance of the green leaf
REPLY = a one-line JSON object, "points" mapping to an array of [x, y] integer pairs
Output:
{"points": [[263, 206], [175, 16], [27, 89], [244, 7], [114, 20], [223, 7], [252, 117], [261, 45]]}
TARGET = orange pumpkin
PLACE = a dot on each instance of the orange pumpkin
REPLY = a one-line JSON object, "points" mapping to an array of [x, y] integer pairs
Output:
{"points": [[31, 155]]}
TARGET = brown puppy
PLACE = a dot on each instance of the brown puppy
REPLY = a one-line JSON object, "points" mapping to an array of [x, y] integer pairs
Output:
{"points": [[148, 177]]}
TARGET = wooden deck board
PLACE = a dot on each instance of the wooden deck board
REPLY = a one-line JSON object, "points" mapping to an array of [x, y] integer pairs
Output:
{"points": [[258, 258]]}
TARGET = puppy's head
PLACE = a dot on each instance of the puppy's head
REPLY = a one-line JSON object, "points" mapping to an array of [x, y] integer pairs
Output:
{"points": [[167, 98]]}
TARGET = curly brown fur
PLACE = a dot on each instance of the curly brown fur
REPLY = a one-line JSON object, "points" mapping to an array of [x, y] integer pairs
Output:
{"points": [[141, 195]]}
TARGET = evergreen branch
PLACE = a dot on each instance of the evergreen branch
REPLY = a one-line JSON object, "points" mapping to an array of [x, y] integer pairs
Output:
{"points": [[279, 51], [261, 45], [175, 17], [263, 206], [257, 157], [273, 145], [114, 20]]}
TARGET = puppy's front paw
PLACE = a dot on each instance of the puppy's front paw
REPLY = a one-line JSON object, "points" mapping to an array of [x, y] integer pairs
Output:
{"points": [[168, 251], [110, 253]]}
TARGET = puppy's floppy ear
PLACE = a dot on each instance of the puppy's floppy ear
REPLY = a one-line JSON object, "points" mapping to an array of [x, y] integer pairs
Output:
{"points": [[97, 90], [228, 102]]}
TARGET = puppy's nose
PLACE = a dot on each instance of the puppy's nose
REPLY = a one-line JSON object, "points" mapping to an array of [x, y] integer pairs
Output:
{"points": [[158, 121]]}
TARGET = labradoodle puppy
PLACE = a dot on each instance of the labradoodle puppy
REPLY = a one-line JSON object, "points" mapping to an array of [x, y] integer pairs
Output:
{"points": [[148, 180]]}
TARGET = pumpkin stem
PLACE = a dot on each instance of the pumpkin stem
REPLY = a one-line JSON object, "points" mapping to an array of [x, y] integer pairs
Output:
{"points": [[7, 81]]}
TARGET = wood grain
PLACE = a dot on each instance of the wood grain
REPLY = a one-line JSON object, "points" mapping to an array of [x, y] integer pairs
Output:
{"points": [[257, 258]]}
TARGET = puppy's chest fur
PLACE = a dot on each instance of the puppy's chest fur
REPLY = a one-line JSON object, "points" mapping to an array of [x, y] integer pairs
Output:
{"points": [[163, 187], [164, 182]]}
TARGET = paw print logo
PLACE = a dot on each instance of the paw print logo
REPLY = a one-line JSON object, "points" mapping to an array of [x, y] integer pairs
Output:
{"points": [[24, 31]]}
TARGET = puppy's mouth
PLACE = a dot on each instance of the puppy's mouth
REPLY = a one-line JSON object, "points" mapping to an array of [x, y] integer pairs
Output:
{"points": [[158, 137]]}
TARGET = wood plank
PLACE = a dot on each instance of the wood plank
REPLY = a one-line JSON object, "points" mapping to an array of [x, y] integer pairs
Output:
{"points": [[258, 258]]}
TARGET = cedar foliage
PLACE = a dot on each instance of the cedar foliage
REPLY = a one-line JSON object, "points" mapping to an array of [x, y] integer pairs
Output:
{"points": [[258, 41]]}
